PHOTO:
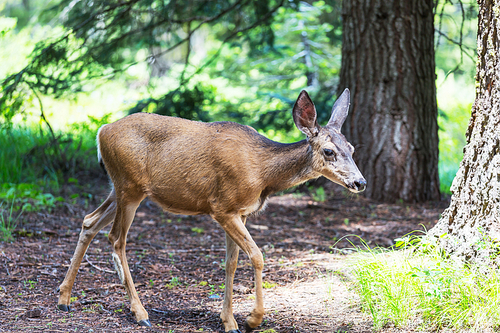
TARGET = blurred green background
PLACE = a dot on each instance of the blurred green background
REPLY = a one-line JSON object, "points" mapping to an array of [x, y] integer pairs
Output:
{"points": [[250, 83]]}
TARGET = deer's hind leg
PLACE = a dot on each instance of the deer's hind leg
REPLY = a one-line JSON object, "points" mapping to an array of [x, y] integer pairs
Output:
{"points": [[125, 212], [91, 225], [226, 315]]}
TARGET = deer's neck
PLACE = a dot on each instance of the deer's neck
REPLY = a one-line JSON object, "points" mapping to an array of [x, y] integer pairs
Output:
{"points": [[287, 165]]}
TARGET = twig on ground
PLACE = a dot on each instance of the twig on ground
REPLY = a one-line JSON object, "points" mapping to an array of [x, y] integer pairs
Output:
{"points": [[97, 267]]}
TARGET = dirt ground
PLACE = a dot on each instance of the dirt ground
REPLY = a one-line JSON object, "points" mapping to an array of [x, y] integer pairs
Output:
{"points": [[177, 265]]}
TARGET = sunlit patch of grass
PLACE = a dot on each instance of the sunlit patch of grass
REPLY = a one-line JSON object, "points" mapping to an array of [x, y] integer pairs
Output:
{"points": [[198, 230], [268, 285], [419, 286]]}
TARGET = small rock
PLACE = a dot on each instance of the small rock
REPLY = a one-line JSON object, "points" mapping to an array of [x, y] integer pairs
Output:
{"points": [[35, 313], [241, 289]]}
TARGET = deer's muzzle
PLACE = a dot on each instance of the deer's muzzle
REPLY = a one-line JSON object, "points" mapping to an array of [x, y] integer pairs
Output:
{"points": [[357, 186]]}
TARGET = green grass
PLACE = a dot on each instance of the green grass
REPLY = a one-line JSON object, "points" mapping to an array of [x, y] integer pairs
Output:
{"points": [[31, 155], [16, 143], [418, 286], [33, 167], [8, 222]]}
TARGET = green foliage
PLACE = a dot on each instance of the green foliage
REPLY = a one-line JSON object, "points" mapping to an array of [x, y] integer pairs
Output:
{"points": [[183, 102], [301, 56], [33, 164], [318, 194], [454, 114], [174, 282], [106, 39], [28, 197], [257, 83], [30, 284], [455, 40], [419, 284], [103, 39], [451, 143], [456, 28], [24, 11]]}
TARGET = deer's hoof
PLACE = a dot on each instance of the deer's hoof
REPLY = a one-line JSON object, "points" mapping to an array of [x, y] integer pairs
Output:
{"points": [[64, 307], [145, 323], [234, 331], [248, 329]]}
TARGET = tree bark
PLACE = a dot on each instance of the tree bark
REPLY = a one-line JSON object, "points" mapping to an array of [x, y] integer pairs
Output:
{"points": [[470, 227], [388, 63]]}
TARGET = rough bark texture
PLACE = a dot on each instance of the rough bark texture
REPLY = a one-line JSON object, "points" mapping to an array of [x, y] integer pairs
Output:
{"points": [[472, 222], [388, 63]]}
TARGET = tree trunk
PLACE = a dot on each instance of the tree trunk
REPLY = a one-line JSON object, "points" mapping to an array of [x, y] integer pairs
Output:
{"points": [[388, 63], [472, 221]]}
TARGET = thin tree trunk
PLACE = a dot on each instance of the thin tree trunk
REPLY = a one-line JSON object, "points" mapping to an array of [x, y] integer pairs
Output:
{"points": [[470, 227], [388, 63]]}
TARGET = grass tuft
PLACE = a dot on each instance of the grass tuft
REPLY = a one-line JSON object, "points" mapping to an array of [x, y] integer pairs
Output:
{"points": [[418, 285], [8, 222]]}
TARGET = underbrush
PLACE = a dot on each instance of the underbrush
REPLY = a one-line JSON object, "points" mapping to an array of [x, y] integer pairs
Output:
{"points": [[418, 286], [28, 197], [32, 154], [36, 163]]}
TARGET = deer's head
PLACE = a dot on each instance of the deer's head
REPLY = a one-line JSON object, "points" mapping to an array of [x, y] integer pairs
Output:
{"points": [[332, 154]]}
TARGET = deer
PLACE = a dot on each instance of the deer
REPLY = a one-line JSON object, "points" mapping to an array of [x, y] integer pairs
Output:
{"points": [[223, 169]]}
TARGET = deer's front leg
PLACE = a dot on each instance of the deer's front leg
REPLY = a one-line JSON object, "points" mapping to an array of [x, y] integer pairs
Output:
{"points": [[257, 313], [235, 229]]}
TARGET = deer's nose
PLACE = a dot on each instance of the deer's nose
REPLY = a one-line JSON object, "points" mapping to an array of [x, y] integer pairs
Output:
{"points": [[360, 184]]}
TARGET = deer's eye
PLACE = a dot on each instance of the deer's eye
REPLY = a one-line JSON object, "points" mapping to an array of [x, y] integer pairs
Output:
{"points": [[328, 152]]}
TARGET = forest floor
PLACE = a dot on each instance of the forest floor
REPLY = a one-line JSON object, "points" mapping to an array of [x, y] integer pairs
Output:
{"points": [[177, 265]]}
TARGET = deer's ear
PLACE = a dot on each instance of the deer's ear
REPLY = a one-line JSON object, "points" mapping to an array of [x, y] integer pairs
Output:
{"points": [[304, 115], [340, 110]]}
